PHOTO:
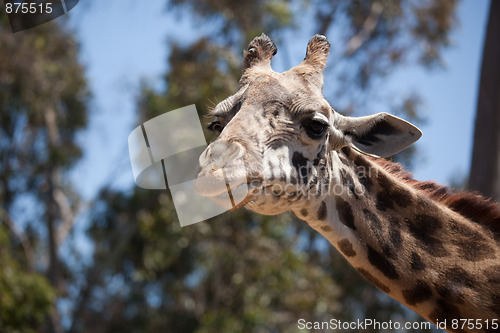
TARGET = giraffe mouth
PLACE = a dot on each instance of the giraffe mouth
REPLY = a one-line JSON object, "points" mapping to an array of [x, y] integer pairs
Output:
{"points": [[229, 195], [217, 182]]}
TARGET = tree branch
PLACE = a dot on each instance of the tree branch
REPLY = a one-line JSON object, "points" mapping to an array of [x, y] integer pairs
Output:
{"points": [[369, 26], [67, 215]]}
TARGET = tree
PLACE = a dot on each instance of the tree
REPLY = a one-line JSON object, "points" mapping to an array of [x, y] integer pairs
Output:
{"points": [[240, 271], [237, 272], [43, 96], [27, 297], [484, 173]]}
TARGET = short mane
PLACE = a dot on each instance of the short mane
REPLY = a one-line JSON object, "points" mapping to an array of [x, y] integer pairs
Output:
{"points": [[468, 204]]}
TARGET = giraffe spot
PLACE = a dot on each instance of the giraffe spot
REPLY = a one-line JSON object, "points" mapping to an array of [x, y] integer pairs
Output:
{"points": [[344, 160], [459, 276], [319, 156], [450, 293], [299, 162], [365, 182], [493, 274], [304, 212], [345, 213], [376, 227], [391, 194], [322, 211], [416, 262], [419, 293], [345, 246], [362, 162], [374, 220], [402, 198], [495, 304], [380, 262], [346, 150], [326, 228], [473, 251], [363, 174], [373, 280], [395, 234], [465, 231], [293, 180], [425, 228], [471, 244], [388, 250], [445, 311], [384, 201], [452, 284], [348, 182], [384, 182]]}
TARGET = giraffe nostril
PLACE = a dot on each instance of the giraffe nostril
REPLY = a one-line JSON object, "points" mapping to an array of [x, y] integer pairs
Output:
{"points": [[219, 154]]}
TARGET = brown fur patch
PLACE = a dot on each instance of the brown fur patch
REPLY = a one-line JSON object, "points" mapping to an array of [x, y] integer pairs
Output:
{"points": [[373, 280], [468, 204], [345, 246], [345, 213], [416, 262], [322, 211], [326, 228], [419, 293]]}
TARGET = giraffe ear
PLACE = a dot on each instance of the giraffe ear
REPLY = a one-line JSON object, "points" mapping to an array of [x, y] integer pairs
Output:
{"points": [[260, 51], [380, 135], [317, 52]]}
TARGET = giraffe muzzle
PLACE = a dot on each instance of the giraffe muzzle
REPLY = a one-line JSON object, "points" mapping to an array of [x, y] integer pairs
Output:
{"points": [[220, 169]]}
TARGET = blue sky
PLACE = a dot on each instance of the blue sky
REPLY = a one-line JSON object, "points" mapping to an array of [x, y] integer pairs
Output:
{"points": [[124, 42]]}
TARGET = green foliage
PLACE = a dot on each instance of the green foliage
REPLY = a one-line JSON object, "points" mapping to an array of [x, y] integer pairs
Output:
{"points": [[25, 298], [43, 104], [43, 96], [240, 272], [201, 72], [247, 17]]}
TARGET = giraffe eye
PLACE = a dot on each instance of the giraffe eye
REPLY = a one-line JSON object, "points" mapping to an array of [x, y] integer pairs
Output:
{"points": [[215, 126], [315, 129]]}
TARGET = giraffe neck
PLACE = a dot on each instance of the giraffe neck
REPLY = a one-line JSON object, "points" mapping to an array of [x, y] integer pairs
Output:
{"points": [[411, 247]]}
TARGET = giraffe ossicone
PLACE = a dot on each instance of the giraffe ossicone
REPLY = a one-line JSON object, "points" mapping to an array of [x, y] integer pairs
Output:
{"points": [[435, 251]]}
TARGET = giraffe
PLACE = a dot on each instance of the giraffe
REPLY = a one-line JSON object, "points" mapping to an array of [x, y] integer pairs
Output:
{"points": [[434, 250]]}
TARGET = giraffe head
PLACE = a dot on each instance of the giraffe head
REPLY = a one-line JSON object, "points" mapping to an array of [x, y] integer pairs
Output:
{"points": [[277, 133]]}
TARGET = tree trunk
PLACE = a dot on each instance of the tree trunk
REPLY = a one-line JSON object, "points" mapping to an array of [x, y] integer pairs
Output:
{"points": [[485, 165]]}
